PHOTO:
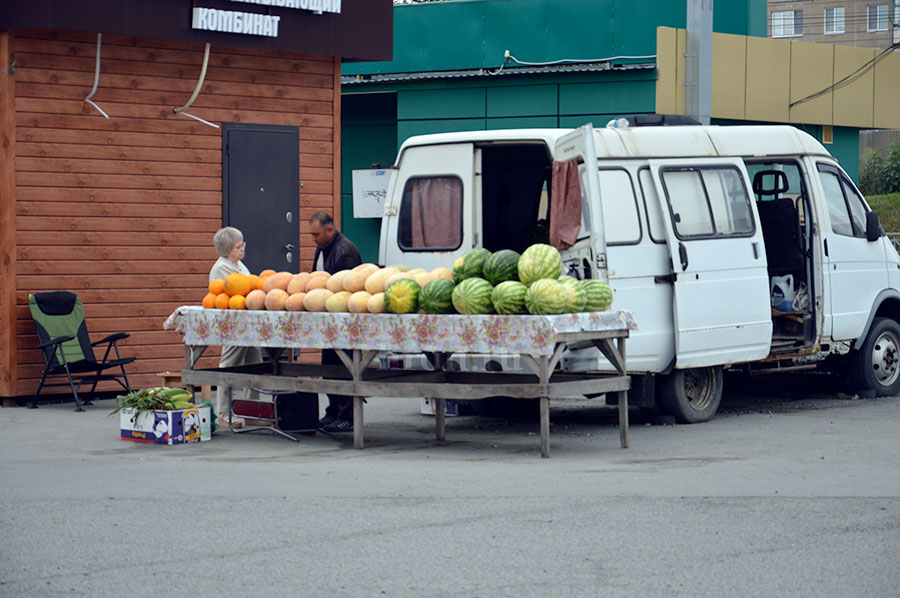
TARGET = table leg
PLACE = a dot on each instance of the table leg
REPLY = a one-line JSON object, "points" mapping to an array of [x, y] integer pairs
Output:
{"points": [[545, 427], [623, 399], [357, 422], [439, 422]]}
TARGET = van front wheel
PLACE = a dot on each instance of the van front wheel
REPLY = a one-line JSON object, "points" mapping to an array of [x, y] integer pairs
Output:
{"points": [[876, 366], [692, 395]]}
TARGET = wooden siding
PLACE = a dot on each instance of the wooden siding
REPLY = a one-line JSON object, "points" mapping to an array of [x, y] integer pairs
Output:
{"points": [[123, 211]]}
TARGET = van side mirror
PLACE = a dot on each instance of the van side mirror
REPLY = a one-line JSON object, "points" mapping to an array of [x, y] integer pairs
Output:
{"points": [[873, 227]]}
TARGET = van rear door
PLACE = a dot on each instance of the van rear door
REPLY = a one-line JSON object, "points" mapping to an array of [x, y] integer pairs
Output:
{"points": [[722, 307], [430, 206]]}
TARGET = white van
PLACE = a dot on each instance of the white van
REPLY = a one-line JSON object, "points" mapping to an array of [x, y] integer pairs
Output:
{"points": [[699, 230]]}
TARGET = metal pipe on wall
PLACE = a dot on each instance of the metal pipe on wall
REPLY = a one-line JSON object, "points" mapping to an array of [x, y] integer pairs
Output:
{"points": [[698, 71]]}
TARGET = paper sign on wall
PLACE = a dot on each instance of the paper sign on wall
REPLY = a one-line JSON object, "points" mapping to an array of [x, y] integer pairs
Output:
{"points": [[369, 192]]}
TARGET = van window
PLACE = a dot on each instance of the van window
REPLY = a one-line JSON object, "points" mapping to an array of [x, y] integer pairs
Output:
{"points": [[655, 225], [845, 207], [708, 202], [431, 214], [620, 212]]}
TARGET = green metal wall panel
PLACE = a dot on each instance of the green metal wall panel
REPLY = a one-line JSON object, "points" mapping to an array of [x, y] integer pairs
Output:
{"points": [[636, 97], [408, 128], [442, 103], [523, 122], [522, 100]]}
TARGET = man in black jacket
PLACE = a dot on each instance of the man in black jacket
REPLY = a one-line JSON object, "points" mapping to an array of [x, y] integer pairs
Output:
{"points": [[334, 252]]}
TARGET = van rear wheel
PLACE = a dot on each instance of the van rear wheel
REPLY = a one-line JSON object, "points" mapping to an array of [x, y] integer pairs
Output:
{"points": [[876, 365], [691, 396]]}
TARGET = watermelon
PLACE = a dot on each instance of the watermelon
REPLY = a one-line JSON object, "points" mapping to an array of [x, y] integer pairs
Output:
{"points": [[508, 297], [546, 296], [539, 261], [437, 297], [599, 295], [501, 266], [402, 296], [473, 296], [470, 264], [577, 295]]}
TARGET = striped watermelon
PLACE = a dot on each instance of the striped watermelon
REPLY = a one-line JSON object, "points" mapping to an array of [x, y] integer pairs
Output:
{"points": [[577, 295], [473, 296], [546, 296], [539, 261], [470, 264], [437, 297], [508, 297], [599, 295], [501, 266], [402, 296]]}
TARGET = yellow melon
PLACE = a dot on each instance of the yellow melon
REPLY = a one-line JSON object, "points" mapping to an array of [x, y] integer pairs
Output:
{"points": [[280, 280], [298, 283], [276, 299], [295, 302], [319, 273], [256, 299], [424, 278], [315, 299], [399, 267], [338, 301], [335, 282], [375, 304], [443, 272], [359, 302], [375, 281], [316, 282], [364, 265], [356, 279], [395, 277], [415, 271]]}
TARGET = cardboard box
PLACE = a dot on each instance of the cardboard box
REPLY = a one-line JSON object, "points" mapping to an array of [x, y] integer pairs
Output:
{"points": [[451, 407], [179, 426]]}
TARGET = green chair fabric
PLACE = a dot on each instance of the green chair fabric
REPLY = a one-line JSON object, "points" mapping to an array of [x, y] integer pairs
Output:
{"points": [[67, 348]]}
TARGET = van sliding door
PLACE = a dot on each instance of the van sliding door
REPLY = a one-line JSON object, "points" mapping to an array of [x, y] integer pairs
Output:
{"points": [[721, 283]]}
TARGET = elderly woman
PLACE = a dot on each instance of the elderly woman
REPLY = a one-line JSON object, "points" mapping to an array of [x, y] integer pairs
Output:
{"points": [[230, 245]]}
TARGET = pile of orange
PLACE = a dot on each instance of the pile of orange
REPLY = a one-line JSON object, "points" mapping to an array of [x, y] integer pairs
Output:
{"points": [[231, 292]]}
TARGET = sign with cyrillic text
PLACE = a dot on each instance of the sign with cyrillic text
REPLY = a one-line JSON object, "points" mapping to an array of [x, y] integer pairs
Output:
{"points": [[252, 23]]}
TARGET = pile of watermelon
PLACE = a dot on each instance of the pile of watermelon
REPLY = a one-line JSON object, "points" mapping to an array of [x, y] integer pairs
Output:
{"points": [[502, 282]]}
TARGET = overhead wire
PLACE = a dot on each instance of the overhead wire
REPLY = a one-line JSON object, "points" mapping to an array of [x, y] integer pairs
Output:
{"points": [[507, 58], [854, 76]]}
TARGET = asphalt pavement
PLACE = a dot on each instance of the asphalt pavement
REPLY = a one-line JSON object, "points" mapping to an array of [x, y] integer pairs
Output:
{"points": [[785, 493]]}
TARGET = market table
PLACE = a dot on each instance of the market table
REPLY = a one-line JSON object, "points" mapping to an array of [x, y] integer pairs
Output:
{"points": [[359, 338]]}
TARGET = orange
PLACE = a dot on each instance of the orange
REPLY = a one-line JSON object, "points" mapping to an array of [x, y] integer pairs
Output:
{"points": [[255, 282], [237, 302], [266, 273], [237, 284], [209, 301], [222, 301], [217, 286]]}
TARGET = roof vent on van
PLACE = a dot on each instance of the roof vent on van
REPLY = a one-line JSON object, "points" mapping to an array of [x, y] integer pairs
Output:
{"points": [[652, 120]]}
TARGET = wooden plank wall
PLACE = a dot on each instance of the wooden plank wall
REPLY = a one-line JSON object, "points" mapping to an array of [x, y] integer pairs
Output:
{"points": [[123, 211]]}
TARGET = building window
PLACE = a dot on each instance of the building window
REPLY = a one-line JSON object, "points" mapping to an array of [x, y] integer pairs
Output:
{"points": [[787, 23], [834, 20], [877, 17]]}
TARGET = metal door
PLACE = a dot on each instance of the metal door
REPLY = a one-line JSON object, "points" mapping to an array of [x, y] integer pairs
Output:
{"points": [[261, 192]]}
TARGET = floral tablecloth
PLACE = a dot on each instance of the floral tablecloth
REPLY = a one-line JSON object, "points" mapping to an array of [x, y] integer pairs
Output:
{"points": [[401, 333]]}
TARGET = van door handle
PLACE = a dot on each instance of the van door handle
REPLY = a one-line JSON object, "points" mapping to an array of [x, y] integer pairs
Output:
{"points": [[755, 250], [682, 254]]}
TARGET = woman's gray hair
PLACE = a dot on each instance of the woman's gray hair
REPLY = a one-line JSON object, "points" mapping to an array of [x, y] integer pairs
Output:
{"points": [[225, 239]]}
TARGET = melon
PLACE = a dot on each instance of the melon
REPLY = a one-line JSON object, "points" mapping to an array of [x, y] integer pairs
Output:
{"points": [[338, 302], [295, 302], [316, 282], [335, 282], [503, 265], [539, 261], [321, 273], [375, 305], [470, 264], [546, 296], [298, 283], [356, 279], [437, 297], [508, 297], [315, 299], [402, 296], [598, 295], [577, 296], [399, 267], [443, 272], [423, 278], [276, 299], [375, 281], [363, 265], [395, 277], [473, 296], [359, 302], [256, 299], [279, 280]]}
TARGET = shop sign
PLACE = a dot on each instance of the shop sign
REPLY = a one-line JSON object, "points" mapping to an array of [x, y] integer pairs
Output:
{"points": [[251, 23]]}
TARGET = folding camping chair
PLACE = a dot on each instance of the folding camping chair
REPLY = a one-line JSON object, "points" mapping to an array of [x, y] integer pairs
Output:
{"points": [[62, 333]]}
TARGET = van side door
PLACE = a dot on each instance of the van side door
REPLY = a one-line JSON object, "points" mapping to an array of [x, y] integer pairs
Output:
{"points": [[722, 307], [430, 206]]}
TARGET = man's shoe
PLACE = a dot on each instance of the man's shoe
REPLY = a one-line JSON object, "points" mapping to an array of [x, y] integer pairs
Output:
{"points": [[327, 420], [339, 425]]}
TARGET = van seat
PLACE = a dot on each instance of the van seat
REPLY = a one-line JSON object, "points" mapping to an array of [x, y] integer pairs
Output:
{"points": [[781, 234]]}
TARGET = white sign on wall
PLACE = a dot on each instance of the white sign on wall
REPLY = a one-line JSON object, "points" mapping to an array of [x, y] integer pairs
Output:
{"points": [[251, 23], [369, 192]]}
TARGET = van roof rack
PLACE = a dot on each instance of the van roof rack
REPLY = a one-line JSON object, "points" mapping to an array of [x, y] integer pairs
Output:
{"points": [[660, 120]]}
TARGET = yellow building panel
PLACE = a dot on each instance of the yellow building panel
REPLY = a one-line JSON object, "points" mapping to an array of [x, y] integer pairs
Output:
{"points": [[887, 92], [680, 70], [812, 67], [729, 65], [768, 79], [666, 60], [854, 102]]}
